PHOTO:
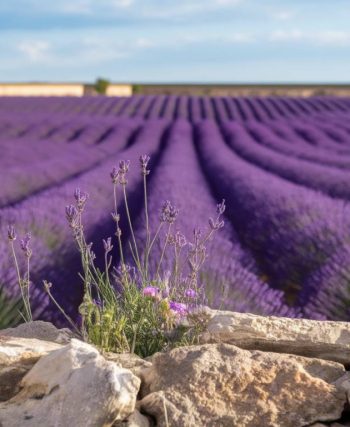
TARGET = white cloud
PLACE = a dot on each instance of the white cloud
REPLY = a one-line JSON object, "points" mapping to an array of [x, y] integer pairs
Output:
{"points": [[283, 15], [35, 50], [143, 43], [228, 2], [88, 7], [334, 38], [122, 3]]}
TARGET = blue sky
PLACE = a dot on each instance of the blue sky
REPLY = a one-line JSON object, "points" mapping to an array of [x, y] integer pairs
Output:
{"points": [[175, 40]]}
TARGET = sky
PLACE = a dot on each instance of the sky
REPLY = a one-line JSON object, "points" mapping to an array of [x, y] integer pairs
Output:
{"points": [[193, 41]]}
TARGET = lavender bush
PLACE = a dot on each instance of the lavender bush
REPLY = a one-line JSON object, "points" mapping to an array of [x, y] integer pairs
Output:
{"points": [[129, 307]]}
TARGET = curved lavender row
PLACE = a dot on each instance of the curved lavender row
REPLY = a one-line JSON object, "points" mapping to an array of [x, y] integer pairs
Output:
{"points": [[326, 292], [178, 178], [329, 180], [34, 176], [264, 135], [316, 137], [55, 256], [241, 108], [19, 149], [290, 230], [286, 130], [332, 129]]}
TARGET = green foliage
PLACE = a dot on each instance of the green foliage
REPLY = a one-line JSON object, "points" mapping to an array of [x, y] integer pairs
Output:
{"points": [[10, 310], [101, 86], [136, 89]]}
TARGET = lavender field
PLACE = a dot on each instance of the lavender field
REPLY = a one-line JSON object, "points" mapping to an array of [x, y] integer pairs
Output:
{"points": [[282, 164]]}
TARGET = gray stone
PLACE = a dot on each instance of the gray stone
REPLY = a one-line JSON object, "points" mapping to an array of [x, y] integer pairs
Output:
{"points": [[219, 385], [17, 357], [128, 361], [321, 339], [40, 330], [136, 419], [72, 386]]}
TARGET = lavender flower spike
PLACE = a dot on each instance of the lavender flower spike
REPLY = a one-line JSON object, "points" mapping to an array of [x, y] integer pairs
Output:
{"points": [[216, 225], [220, 208], [144, 160], [107, 244], [123, 170], [168, 213], [81, 198], [11, 233], [25, 245], [71, 214], [115, 175]]}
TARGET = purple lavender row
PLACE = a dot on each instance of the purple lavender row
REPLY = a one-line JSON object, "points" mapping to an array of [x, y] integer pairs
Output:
{"points": [[326, 292], [54, 255], [178, 178], [224, 108], [61, 164], [291, 231], [332, 181], [265, 136], [47, 141]]}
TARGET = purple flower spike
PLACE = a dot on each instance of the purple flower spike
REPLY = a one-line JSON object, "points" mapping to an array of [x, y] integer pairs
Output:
{"points": [[123, 170], [215, 225], [115, 175], [179, 308], [151, 291], [190, 293], [71, 214], [124, 166], [11, 233], [81, 198], [25, 245], [144, 160], [168, 213], [220, 208], [107, 244]]}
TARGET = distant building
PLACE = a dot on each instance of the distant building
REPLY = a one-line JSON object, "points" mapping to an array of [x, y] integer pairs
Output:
{"points": [[60, 89], [119, 90], [41, 89]]}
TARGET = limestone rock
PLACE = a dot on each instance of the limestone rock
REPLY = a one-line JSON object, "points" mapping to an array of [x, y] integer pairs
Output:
{"points": [[136, 419], [17, 357], [321, 339], [72, 386], [40, 330], [219, 385], [128, 361]]}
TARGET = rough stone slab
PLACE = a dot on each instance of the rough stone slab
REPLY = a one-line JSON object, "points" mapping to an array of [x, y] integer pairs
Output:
{"points": [[136, 419], [128, 361], [17, 357], [311, 338], [219, 385], [72, 386], [40, 330]]}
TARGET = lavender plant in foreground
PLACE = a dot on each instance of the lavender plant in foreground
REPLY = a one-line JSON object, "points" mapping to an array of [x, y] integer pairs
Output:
{"points": [[141, 311]]}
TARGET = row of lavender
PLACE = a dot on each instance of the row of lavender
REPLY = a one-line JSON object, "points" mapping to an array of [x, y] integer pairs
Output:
{"points": [[172, 107], [284, 249]]}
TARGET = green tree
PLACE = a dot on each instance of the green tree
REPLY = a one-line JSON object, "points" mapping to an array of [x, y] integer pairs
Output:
{"points": [[101, 86]]}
